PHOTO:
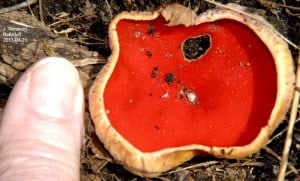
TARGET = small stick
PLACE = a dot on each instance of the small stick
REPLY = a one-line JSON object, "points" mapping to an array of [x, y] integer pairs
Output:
{"points": [[205, 164], [17, 6], [289, 134], [275, 155], [109, 9], [41, 11], [254, 17], [271, 3]]}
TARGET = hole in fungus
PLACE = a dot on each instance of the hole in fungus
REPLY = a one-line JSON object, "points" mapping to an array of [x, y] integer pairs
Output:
{"points": [[195, 47]]}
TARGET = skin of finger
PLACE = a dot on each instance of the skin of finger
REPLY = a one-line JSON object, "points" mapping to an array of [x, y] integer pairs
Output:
{"points": [[36, 146]]}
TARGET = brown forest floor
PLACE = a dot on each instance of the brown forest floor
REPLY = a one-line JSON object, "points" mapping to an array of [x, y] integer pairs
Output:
{"points": [[86, 22]]}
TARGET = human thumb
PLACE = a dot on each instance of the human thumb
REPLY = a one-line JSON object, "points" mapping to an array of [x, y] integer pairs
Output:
{"points": [[42, 123]]}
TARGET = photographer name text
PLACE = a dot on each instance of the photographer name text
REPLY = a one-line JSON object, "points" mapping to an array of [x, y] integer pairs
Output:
{"points": [[14, 35]]}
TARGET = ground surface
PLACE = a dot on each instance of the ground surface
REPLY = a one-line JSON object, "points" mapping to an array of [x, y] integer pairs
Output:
{"points": [[85, 22]]}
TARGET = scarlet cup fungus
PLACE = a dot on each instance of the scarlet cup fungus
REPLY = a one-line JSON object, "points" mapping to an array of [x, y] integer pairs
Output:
{"points": [[178, 84]]}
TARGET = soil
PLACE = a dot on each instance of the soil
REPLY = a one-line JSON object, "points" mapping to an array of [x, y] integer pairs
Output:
{"points": [[85, 22]]}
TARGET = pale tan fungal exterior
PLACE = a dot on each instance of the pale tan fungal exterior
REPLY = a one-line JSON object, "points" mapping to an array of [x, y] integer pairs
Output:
{"points": [[153, 163]]}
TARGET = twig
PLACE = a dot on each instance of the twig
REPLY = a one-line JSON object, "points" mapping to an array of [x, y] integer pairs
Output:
{"points": [[41, 11], [88, 61], [274, 4], [70, 19], [254, 17], [247, 164], [17, 6], [271, 152], [276, 136], [205, 164], [292, 120], [109, 9], [280, 133], [293, 8]]}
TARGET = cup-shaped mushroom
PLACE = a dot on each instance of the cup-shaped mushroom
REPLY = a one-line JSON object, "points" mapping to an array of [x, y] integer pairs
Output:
{"points": [[177, 85]]}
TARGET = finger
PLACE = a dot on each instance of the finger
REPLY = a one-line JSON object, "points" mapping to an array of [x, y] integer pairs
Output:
{"points": [[42, 123]]}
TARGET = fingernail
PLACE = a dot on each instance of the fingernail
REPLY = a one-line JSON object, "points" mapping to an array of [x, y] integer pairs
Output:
{"points": [[54, 85]]}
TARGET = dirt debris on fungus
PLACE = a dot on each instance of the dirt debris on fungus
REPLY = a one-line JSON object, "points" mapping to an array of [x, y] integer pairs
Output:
{"points": [[149, 53], [189, 95], [150, 30], [154, 72], [169, 78]]}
